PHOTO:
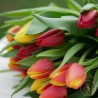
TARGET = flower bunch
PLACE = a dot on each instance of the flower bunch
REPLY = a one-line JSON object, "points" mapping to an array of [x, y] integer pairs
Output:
{"points": [[53, 50]]}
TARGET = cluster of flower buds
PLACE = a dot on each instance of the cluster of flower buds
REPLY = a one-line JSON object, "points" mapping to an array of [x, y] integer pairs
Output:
{"points": [[88, 19], [51, 85]]}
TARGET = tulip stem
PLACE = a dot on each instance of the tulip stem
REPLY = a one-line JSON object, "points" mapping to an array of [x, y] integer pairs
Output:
{"points": [[84, 55]]}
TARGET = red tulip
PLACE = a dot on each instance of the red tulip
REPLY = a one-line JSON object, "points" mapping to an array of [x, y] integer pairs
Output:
{"points": [[16, 46], [41, 69], [54, 92], [51, 38], [58, 78], [27, 51], [75, 76], [88, 19]]}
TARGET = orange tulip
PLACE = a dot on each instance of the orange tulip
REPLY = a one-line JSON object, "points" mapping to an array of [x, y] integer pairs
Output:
{"points": [[41, 69], [75, 76], [54, 92]]}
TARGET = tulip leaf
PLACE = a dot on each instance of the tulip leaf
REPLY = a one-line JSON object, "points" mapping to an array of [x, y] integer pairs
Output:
{"points": [[71, 52], [9, 45], [52, 53], [88, 7], [72, 4], [92, 66], [21, 21], [28, 12], [23, 84], [95, 82], [68, 24], [28, 61], [10, 53], [36, 27]]}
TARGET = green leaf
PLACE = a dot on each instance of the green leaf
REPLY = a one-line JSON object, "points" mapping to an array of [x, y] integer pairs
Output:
{"points": [[21, 85], [33, 94], [66, 23], [28, 12], [10, 53], [93, 66], [72, 4], [95, 82], [29, 61], [71, 52], [36, 27], [21, 21], [9, 45], [89, 6]]}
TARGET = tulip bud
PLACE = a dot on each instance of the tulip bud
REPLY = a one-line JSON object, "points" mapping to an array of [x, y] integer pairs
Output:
{"points": [[75, 76], [58, 78], [54, 92], [12, 64], [37, 84], [51, 38], [22, 37], [41, 69], [88, 19], [27, 51], [14, 29]]}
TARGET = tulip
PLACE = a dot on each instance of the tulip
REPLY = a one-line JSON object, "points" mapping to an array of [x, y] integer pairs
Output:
{"points": [[27, 51], [13, 66], [22, 37], [41, 69], [37, 84], [14, 29], [58, 78], [54, 92], [88, 19], [75, 76], [51, 38]]}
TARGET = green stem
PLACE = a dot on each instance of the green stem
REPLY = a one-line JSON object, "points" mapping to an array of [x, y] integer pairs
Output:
{"points": [[84, 56]]}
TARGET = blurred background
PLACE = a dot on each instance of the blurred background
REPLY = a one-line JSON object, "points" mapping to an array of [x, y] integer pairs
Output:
{"points": [[9, 5]]}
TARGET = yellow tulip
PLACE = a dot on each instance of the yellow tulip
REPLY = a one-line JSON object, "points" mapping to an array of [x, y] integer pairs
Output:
{"points": [[37, 83], [22, 37]]}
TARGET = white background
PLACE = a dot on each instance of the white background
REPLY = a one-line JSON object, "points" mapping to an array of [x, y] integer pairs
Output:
{"points": [[8, 79]]}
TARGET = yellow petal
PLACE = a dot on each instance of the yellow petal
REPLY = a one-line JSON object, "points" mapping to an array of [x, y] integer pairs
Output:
{"points": [[22, 37], [37, 83]]}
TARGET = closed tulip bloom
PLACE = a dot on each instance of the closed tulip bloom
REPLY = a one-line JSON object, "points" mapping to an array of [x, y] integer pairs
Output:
{"points": [[75, 76], [12, 64], [58, 78], [22, 37], [37, 84], [27, 51], [54, 92], [13, 30], [88, 19], [51, 38], [41, 69]]}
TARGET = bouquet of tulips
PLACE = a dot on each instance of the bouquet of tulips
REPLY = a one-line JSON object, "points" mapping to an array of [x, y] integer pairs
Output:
{"points": [[52, 49]]}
